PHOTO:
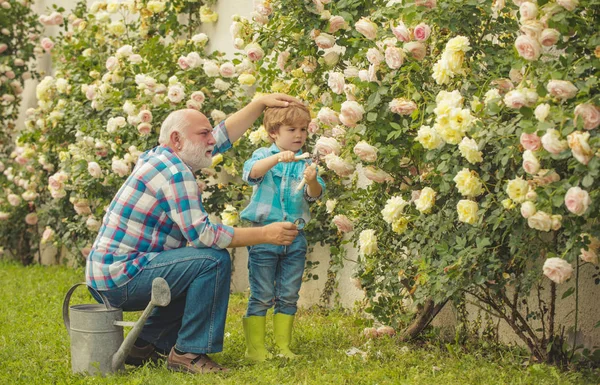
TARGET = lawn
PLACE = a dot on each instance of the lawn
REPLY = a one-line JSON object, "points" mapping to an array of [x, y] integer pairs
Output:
{"points": [[34, 348]]}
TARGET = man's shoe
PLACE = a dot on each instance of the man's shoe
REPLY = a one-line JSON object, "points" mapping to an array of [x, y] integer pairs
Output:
{"points": [[140, 356], [193, 363]]}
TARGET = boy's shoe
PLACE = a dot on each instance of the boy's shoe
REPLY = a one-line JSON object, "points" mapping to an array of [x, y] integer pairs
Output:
{"points": [[193, 363], [254, 331]]}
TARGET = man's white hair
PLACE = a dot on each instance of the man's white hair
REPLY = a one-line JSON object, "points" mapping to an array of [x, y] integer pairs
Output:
{"points": [[175, 122]]}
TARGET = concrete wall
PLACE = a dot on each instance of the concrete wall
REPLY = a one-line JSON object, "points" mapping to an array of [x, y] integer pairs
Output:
{"points": [[347, 293]]}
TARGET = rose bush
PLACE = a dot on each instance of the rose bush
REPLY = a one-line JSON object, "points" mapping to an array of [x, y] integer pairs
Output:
{"points": [[475, 123]]}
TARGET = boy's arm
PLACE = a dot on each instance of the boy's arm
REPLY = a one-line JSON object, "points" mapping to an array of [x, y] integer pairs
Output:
{"points": [[261, 167]]}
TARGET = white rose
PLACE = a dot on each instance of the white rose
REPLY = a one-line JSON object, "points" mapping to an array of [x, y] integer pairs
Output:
{"points": [[367, 242], [557, 270], [528, 209], [540, 221], [552, 143]]}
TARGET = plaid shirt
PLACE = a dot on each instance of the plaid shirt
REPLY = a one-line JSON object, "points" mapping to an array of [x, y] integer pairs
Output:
{"points": [[159, 207], [274, 196]]}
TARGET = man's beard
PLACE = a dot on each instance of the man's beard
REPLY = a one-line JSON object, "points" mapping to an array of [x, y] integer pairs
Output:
{"points": [[194, 155]]}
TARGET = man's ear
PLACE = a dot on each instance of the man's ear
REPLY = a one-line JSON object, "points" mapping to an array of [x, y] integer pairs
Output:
{"points": [[176, 139]]}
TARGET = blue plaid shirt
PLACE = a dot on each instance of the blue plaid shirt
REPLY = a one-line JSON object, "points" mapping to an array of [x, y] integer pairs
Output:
{"points": [[274, 196], [159, 207]]}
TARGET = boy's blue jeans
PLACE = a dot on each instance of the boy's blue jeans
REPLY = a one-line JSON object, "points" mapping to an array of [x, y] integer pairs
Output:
{"points": [[275, 275], [195, 319]]}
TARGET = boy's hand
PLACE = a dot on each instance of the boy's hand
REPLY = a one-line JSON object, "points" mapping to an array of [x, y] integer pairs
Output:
{"points": [[310, 173], [286, 156]]}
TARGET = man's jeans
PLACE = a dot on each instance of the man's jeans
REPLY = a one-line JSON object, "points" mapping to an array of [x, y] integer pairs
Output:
{"points": [[195, 319], [275, 276]]}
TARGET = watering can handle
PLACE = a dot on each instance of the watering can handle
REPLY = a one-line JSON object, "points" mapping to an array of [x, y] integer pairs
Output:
{"points": [[68, 299]]}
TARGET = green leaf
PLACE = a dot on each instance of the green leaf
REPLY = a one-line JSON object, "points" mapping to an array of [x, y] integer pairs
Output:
{"points": [[567, 293], [587, 181]]}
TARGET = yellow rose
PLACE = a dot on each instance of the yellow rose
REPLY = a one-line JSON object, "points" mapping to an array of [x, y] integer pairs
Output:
{"points": [[447, 133], [230, 216], [508, 204], [117, 28], [517, 189], [368, 242], [467, 211], [207, 15], [400, 225], [217, 159], [429, 138], [156, 6], [458, 44], [426, 200], [247, 79], [468, 183]]}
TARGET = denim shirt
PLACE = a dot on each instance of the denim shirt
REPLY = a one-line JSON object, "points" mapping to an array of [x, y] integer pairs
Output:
{"points": [[274, 196]]}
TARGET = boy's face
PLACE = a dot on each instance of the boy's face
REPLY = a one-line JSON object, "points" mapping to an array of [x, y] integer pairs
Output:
{"points": [[290, 138]]}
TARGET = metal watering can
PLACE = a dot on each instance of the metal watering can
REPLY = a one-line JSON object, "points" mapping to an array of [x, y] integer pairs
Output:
{"points": [[96, 330]]}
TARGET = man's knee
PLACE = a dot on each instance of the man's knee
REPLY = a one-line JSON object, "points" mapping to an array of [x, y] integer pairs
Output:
{"points": [[223, 259]]}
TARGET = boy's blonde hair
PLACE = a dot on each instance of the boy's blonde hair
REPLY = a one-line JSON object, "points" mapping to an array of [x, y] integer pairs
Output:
{"points": [[293, 115]]}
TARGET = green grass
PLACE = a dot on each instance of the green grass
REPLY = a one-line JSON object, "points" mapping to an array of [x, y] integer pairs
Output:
{"points": [[34, 348]]}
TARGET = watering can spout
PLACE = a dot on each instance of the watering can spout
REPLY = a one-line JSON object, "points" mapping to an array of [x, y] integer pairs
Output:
{"points": [[161, 296]]}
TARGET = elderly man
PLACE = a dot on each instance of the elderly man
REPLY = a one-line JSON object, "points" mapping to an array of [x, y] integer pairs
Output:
{"points": [[154, 216]]}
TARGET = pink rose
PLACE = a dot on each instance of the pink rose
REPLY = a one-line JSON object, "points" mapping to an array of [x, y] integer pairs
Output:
{"points": [[328, 116], [394, 57], [343, 224], [377, 175], [351, 113], [540, 221], [144, 129], [528, 11], [47, 44], [577, 201], [326, 146], [182, 62], [402, 106], [531, 164], [557, 270], [145, 116], [56, 18], [13, 199], [504, 85], [120, 167], [590, 115], [227, 70], [94, 170], [254, 52], [591, 254], [365, 151], [3, 47], [313, 126], [31, 219], [374, 56], [282, 60], [569, 5], [528, 48], [528, 209], [561, 89], [549, 37], [336, 23], [338, 165], [336, 82], [198, 96], [531, 141], [367, 28], [515, 99], [401, 32], [426, 3], [553, 143], [422, 32], [47, 235], [416, 49], [325, 40]]}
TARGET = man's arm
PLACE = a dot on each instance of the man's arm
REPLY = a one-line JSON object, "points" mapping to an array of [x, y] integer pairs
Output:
{"points": [[239, 122], [278, 233]]}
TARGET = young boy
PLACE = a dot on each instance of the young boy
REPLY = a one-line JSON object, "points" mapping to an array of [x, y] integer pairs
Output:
{"points": [[275, 272]]}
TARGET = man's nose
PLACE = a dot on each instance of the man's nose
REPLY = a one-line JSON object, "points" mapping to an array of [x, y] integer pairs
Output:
{"points": [[211, 139]]}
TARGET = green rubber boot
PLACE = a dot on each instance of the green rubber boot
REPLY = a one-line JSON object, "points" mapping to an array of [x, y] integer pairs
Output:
{"points": [[254, 330], [282, 331]]}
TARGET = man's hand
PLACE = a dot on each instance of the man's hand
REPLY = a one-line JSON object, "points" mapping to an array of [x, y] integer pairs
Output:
{"points": [[286, 156], [280, 233], [277, 100]]}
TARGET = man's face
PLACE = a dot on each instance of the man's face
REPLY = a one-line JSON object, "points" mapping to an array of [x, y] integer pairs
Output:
{"points": [[197, 142]]}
